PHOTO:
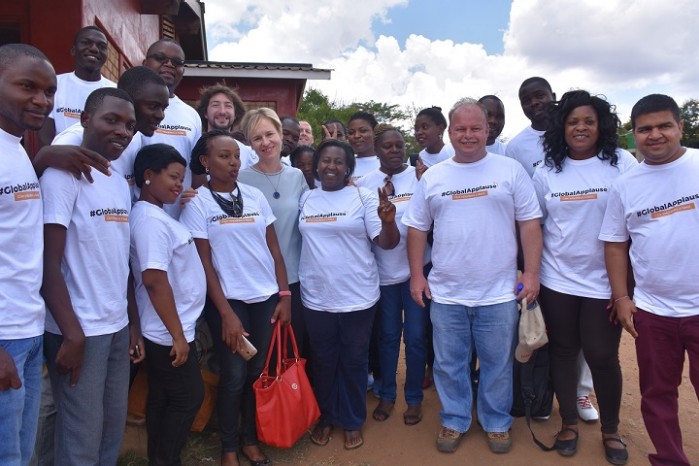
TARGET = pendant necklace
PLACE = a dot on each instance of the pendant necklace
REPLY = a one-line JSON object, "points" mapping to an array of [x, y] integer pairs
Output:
{"points": [[275, 194]]}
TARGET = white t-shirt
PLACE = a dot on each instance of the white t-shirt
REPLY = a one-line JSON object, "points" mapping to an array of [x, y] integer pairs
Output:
{"points": [[73, 136], [364, 165], [290, 184], [248, 157], [498, 147], [158, 242], [181, 128], [573, 203], [95, 264], [656, 207], [393, 263], [338, 271], [527, 148], [429, 159], [70, 97], [239, 250], [21, 243], [474, 207]]}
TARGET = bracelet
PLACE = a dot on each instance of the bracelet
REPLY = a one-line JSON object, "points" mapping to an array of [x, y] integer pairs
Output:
{"points": [[283, 293], [619, 299]]}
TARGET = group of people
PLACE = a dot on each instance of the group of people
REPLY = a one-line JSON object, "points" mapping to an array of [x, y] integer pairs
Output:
{"points": [[238, 219]]}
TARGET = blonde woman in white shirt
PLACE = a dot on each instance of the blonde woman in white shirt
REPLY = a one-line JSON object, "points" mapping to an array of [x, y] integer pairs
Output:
{"points": [[246, 279], [581, 161]]}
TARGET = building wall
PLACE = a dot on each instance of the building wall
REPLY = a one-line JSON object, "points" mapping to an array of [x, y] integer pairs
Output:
{"points": [[281, 95], [125, 25]]}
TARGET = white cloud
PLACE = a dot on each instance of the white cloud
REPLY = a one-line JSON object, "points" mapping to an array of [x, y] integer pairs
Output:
{"points": [[621, 48]]}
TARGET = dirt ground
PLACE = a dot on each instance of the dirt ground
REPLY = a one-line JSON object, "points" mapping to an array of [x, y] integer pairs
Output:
{"points": [[392, 443]]}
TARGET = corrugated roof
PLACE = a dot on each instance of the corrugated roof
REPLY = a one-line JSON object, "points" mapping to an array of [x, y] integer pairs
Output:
{"points": [[256, 70]]}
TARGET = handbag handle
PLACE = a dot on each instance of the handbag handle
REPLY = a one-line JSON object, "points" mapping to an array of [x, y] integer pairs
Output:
{"points": [[288, 332], [274, 342]]}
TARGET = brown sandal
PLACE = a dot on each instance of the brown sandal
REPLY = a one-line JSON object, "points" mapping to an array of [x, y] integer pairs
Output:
{"points": [[320, 435], [414, 417], [382, 411], [353, 439]]}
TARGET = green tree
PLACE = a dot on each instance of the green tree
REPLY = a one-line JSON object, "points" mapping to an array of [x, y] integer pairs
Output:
{"points": [[689, 113], [316, 108]]}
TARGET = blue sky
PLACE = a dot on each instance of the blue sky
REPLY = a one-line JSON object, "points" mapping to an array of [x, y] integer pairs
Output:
{"points": [[417, 53], [473, 21]]}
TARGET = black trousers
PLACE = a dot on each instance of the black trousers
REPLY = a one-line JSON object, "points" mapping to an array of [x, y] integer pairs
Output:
{"points": [[174, 397], [575, 322]]}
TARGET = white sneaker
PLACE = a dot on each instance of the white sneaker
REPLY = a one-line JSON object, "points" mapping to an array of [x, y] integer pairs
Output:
{"points": [[586, 411]]}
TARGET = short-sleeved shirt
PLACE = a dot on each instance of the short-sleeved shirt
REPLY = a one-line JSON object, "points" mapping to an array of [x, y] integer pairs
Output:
{"points": [[21, 243], [393, 263], [70, 97], [474, 207], [573, 203], [95, 262], [73, 135], [239, 250], [158, 242], [338, 271], [657, 207], [181, 128], [527, 148]]}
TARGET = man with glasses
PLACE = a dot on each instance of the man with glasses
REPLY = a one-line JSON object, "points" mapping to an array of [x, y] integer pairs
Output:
{"points": [[181, 127], [89, 49]]}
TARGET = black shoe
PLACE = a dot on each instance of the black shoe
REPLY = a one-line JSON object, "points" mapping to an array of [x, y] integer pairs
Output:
{"points": [[566, 447], [615, 455]]}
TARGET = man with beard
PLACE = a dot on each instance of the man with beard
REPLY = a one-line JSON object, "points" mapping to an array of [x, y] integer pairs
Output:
{"points": [[222, 108]]}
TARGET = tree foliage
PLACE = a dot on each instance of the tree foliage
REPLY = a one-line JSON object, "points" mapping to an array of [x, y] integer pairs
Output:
{"points": [[316, 108], [689, 113]]}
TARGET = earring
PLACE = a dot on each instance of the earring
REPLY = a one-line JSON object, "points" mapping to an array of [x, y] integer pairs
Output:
{"points": [[147, 182], [206, 169]]}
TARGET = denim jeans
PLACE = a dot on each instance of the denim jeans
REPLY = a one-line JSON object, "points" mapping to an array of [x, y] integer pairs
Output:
{"points": [[399, 314], [19, 409], [493, 331], [236, 399], [91, 417]]}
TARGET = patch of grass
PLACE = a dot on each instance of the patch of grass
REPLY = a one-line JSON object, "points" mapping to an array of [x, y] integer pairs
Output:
{"points": [[131, 458]]}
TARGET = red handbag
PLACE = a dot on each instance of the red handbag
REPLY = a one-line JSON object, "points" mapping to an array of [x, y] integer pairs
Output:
{"points": [[286, 405]]}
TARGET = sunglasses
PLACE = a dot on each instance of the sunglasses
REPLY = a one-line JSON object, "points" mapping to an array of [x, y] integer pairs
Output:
{"points": [[162, 59]]}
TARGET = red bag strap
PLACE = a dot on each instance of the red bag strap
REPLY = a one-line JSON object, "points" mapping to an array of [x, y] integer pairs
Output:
{"points": [[275, 341], [289, 334]]}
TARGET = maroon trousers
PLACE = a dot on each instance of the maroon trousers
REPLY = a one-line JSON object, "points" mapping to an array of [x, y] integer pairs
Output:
{"points": [[660, 349]]}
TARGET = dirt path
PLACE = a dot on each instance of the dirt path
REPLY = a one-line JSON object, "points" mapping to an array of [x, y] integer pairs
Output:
{"points": [[392, 443]]}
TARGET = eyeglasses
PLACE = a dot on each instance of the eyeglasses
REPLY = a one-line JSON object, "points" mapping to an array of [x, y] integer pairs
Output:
{"points": [[388, 187], [162, 59]]}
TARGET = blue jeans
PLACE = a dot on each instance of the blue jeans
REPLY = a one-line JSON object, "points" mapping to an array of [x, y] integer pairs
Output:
{"points": [[19, 409], [493, 332], [91, 417], [399, 314]]}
